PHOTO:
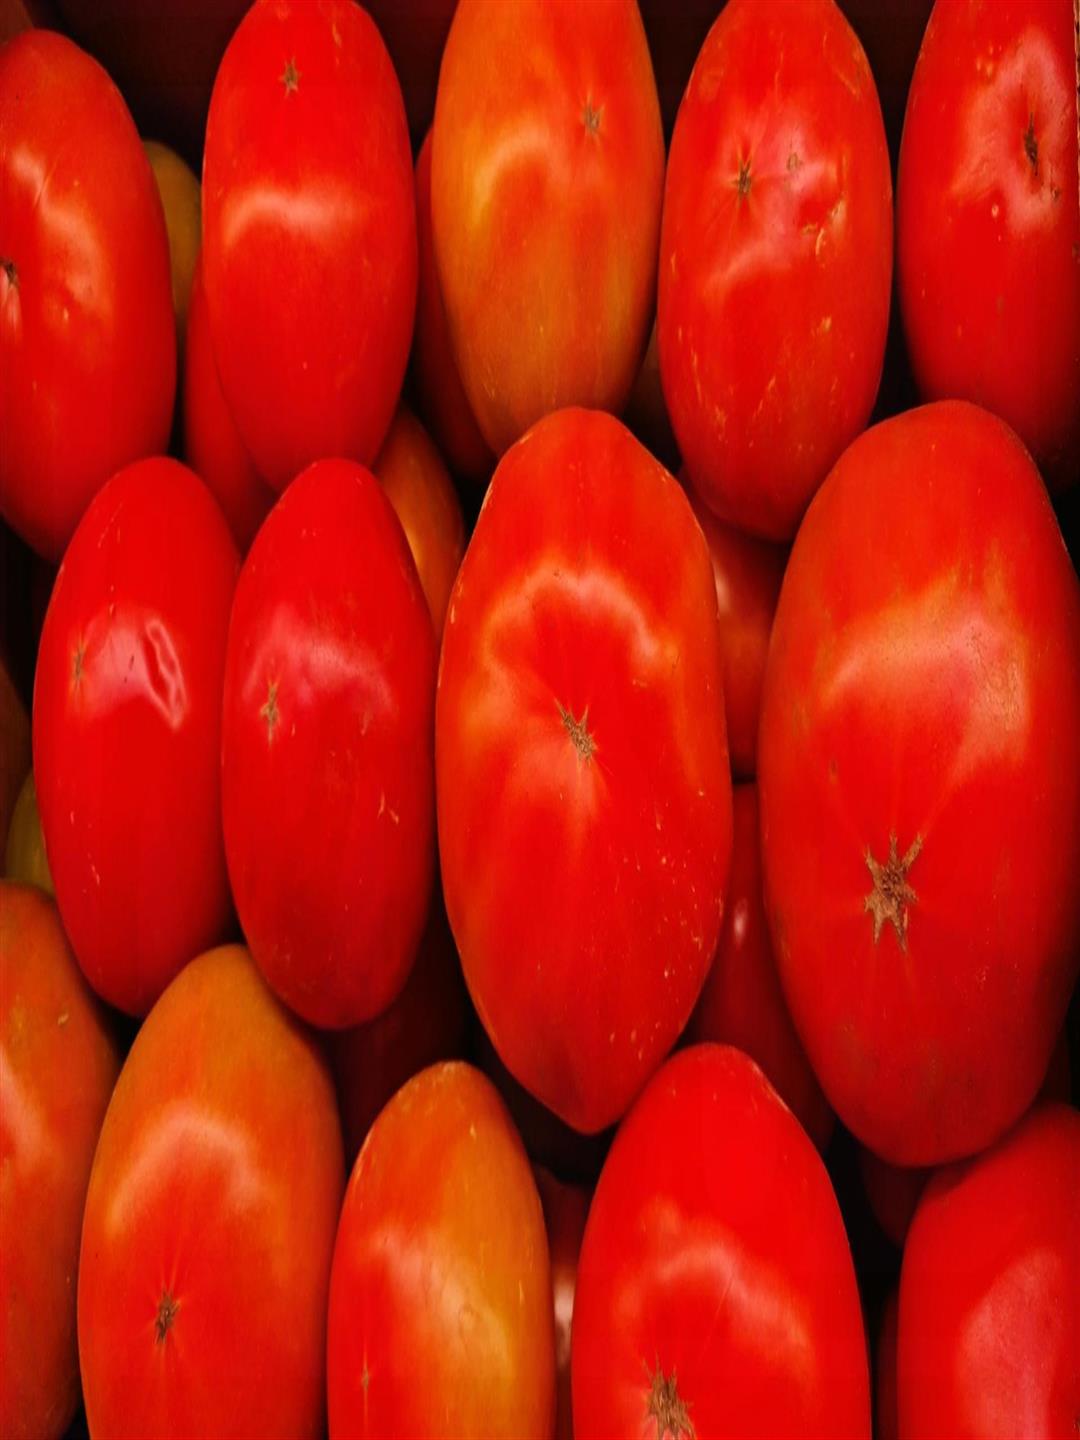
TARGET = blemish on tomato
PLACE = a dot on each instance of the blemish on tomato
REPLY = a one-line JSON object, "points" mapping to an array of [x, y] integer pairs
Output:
{"points": [[290, 77], [166, 1314], [269, 711]]}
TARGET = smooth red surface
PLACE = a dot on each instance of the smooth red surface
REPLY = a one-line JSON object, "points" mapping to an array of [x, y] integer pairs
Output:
{"points": [[583, 786], [127, 730], [922, 701], [309, 234], [327, 785], [565, 1210], [775, 259], [210, 1219], [989, 1333], [87, 337], [716, 1294], [988, 221], [58, 1063], [440, 1299], [547, 170]]}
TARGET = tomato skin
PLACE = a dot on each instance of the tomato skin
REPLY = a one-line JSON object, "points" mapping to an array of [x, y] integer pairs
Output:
{"points": [[582, 638], [988, 222], [311, 293], [893, 1193], [127, 730], [989, 1329], [801, 260], [922, 701], [327, 784], [87, 338], [715, 1265], [547, 171], [58, 1063], [565, 1210], [441, 1271], [210, 1219]]}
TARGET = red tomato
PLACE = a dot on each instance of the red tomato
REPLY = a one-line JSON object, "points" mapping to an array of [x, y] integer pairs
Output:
{"points": [[309, 234], [127, 730], [440, 1297], [646, 414], [716, 1294], [583, 785], [87, 336], [58, 1064], [212, 446], [893, 1192], [565, 1211], [547, 172], [327, 784], [988, 223], [742, 1003], [210, 1219], [920, 783], [989, 1334], [885, 1372], [775, 259]]}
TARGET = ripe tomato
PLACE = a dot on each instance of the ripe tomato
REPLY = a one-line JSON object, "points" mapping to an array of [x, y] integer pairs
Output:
{"points": [[716, 1293], [309, 234], [565, 1211], [920, 783], [210, 1219], [440, 1298], [58, 1064], [742, 1003], [775, 259], [989, 1333], [893, 1192], [988, 223], [24, 856], [127, 730], [584, 794], [181, 202], [327, 784], [87, 337], [547, 171]]}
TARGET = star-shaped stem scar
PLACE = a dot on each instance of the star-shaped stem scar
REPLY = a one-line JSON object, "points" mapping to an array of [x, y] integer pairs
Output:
{"points": [[290, 77], [891, 895]]}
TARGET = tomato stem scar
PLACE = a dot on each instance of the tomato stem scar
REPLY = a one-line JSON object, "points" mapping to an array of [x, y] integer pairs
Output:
{"points": [[166, 1314], [10, 270], [578, 730], [888, 901], [290, 77], [667, 1407]]}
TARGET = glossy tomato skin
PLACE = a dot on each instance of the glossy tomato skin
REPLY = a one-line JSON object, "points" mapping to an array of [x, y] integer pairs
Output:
{"points": [[210, 1219], [327, 783], [309, 234], [989, 1328], [584, 794], [547, 173], [58, 1063], [566, 1208], [441, 1317], [988, 222], [775, 259], [716, 1294], [127, 730], [920, 783], [87, 339]]}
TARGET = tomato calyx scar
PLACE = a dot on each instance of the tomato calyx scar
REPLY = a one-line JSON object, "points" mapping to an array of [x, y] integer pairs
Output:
{"points": [[10, 269], [269, 711], [888, 901], [578, 730], [591, 117], [667, 1407], [743, 180], [166, 1314], [1031, 145], [290, 77]]}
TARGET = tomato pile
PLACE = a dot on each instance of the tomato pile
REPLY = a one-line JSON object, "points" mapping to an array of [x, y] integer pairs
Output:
{"points": [[539, 718]]}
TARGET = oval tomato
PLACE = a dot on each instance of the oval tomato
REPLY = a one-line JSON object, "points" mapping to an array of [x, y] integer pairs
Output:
{"points": [[775, 259], [716, 1293], [87, 337], [127, 730], [584, 794], [440, 1299], [181, 203], [893, 1192], [309, 234], [565, 1210], [920, 783], [327, 784]]}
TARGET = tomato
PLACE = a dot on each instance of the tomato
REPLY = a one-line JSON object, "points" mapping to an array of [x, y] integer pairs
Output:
{"points": [[716, 1293], [989, 1331], [885, 1372], [413, 476], [440, 1298], [742, 1003], [988, 222], [127, 730], [890, 31], [646, 414], [87, 339], [210, 1219], [14, 746], [181, 201], [415, 33], [893, 1192], [547, 169], [920, 783], [565, 1210], [327, 784], [775, 259], [584, 794], [309, 234], [24, 856], [212, 446], [58, 1064]]}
